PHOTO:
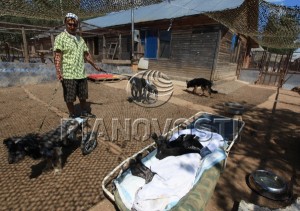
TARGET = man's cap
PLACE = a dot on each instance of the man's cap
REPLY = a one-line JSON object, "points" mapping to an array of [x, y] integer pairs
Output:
{"points": [[72, 15]]}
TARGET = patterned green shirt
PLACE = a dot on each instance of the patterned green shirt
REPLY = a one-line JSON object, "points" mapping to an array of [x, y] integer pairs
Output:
{"points": [[72, 48]]}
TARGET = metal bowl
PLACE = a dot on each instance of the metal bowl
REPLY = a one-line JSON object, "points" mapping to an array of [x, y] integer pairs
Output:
{"points": [[268, 184], [233, 108]]}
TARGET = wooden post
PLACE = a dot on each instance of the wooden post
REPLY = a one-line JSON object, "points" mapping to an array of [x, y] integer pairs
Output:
{"points": [[286, 68], [246, 61], [120, 47], [103, 48], [215, 61], [132, 32], [52, 43], [7, 51], [25, 52]]}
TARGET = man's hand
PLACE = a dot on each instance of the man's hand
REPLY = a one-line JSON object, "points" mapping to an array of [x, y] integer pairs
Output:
{"points": [[59, 76], [100, 69], [89, 59]]}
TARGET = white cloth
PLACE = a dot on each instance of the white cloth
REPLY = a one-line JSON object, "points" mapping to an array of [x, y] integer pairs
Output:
{"points": [[175, 177]]}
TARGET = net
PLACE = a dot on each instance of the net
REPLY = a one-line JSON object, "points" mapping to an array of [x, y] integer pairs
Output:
{"points": [[268, 24], [56, 9]]}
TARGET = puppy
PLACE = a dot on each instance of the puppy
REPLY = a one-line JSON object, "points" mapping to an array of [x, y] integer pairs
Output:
{"points": [[182, 145], [140, 170], [141, 89], [203, 83], [150, 89]]}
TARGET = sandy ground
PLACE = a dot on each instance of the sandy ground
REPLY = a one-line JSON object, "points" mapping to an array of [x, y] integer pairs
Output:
{"points": [[270, 140]]}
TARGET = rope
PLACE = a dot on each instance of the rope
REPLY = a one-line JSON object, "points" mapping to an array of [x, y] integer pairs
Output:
{"points": [[49, 106]]}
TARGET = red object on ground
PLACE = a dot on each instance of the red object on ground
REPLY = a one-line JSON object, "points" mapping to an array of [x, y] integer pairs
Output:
{"points": [[100, 76]]}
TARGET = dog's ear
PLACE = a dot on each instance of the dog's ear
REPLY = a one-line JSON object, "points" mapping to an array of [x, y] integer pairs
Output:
{"points": [[8, 142], [187, 83], [139, 157], [188, 137], [154, 136], [156, 139], [161, 140], [5, 141]]}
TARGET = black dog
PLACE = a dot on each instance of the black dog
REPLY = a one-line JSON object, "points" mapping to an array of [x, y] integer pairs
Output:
{"points": [[47, 146], [141, 89], [182, 145], [140, 170], [203, 83]]}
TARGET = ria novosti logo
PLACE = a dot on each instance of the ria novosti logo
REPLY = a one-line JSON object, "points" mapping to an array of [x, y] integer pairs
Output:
{"points": [[149, 88]]}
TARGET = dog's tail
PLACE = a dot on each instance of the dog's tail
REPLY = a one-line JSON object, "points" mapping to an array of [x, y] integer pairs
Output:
{"points": [[214, 91]]}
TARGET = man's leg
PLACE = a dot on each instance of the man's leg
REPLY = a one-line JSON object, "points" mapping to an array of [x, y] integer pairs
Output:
{"points": [[83, 105], [85, 111], [70, 106], [83, 95], [69, 90]]}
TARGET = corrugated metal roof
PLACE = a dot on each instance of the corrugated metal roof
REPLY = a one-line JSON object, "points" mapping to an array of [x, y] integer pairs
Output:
{"points": [[165, 10]]}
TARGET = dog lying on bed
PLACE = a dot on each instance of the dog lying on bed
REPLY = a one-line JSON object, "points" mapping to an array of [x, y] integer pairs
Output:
{"points": [[182, 145], [47, 146], [201, 82]]}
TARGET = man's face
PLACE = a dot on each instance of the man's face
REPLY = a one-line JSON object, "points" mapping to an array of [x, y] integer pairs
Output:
{"points": [[71, 25]]}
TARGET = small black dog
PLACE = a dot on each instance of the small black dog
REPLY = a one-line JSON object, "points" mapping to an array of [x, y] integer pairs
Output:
{"points": [[182, 145], [141, 89], [47, 146], [203, 83], [140, 170]]}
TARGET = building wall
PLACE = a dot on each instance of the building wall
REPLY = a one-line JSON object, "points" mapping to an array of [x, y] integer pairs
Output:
{"points": [[199, 47], [229, 55], [192, 53]]}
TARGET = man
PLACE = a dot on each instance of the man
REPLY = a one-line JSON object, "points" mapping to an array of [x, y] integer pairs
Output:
{"points": [[70, 52]]}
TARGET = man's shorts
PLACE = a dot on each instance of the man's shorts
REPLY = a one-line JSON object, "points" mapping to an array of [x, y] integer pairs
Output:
{"points": [[73, 88]]}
